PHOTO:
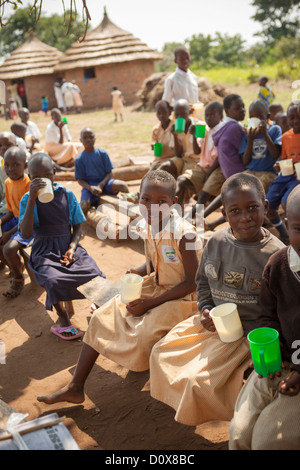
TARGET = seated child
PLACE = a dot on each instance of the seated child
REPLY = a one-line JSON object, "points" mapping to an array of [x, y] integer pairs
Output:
{"points": [[262, 145], [182, 84], [265, 93], [191, 369], [206, 178], [228, 142], [127, 333], [93, 171], [266, 415], [7, 139], [186, 146], [228, 138], [274, 109], [19, 129], [58, 262], [282, 121], [162, 133], [282, 186], [16, 185], [33, 134]]}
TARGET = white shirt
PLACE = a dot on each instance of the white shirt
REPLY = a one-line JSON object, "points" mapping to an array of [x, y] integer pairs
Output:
{"points": [[53, 133], [32, 129], [181, 85]]}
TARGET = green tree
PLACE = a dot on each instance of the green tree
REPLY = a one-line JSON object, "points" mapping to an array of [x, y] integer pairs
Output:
{"points": [[279, 18], [50, 29], [200, 47], [229, 50], [167, 63]]}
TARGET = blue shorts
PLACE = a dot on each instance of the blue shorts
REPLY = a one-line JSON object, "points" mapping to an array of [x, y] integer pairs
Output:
{"points": [[280, 189], [86, 195], [9, 224]]}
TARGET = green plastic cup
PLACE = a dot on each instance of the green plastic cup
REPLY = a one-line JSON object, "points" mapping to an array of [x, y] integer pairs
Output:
{"points": [[200, 130], [265, 350], [157, 147], [65, 120], [179, 125]]}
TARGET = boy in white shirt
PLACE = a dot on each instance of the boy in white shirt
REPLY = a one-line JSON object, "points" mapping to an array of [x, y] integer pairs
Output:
{"points": [[182, 84]]}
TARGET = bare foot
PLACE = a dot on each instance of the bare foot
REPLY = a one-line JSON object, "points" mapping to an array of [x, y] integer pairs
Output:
{"points": [[72, 393]]}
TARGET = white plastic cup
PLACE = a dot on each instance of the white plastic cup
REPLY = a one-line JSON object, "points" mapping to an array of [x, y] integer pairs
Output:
{"points": [[46, 193], [2, 353], [227, 322], [297, 168], [131, 287], [253, 123], [286, 167]]}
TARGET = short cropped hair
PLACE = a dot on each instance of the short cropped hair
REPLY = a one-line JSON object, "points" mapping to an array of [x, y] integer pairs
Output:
{"points": [[239, 180], [294, 103], [259, 104], [164, 103], [293, 197], [216, 105], [39, 157], [229, 99], [160, 176], [14, 150], [180, 49]]}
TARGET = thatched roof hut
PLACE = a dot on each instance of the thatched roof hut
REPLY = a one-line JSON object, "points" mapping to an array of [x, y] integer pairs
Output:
{"points": [[34, 57], [32, 64], [107, 56]]}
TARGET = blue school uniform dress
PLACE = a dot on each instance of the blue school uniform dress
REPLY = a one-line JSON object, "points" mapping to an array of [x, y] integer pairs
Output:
{"points": [[93, 167], [52, 234]]}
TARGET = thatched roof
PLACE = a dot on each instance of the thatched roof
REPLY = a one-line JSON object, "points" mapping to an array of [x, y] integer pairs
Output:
{"points": [[34, 57], [105, 44]]}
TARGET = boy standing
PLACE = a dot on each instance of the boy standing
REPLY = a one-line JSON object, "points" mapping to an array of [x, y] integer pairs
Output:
{"points": [[93, 171], [182, 84]]}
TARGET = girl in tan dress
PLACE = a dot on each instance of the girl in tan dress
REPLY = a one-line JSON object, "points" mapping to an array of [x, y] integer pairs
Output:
{"points": [[117, 103], [127, 333], [191, 369]]}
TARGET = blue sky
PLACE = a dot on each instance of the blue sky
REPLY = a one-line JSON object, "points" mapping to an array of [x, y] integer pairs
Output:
{"points": [[159, 21]]}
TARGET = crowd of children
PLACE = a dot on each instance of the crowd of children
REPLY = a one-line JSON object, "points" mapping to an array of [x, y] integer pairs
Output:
{"points": [[169, 329]]}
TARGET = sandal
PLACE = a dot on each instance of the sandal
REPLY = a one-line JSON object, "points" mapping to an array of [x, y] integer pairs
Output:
{"points": [[15, 288]]}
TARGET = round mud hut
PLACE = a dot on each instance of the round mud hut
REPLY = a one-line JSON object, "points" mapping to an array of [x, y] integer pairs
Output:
{"points": [[108, 56], [30, 70]]}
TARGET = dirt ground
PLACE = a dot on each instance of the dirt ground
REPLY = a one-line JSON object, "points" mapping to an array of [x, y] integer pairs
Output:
{"points": [[118, 413]]}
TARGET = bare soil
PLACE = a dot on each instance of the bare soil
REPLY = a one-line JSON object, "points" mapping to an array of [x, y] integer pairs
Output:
{"points": [[118, 413]]}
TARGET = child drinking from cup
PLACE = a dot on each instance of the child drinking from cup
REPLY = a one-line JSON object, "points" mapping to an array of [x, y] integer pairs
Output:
{"points": [[127, 333], [93, 171], [207, 178], [191, 369], [58, 262], [266, 415], [282, 186], [162, 133], [261, 146], [186, 146], [16, 185]]}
